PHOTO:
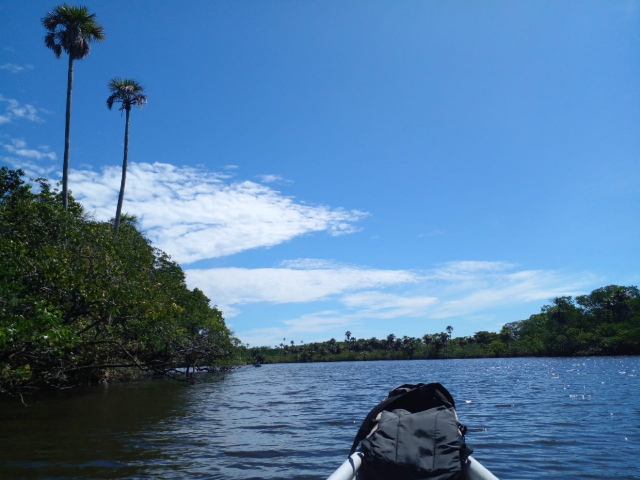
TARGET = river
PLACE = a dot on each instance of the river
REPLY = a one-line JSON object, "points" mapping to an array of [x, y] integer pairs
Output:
{"points": [[528, 418]]}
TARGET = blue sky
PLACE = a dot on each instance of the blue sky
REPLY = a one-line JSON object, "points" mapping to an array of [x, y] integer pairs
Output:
{"points": [[378, 167]]}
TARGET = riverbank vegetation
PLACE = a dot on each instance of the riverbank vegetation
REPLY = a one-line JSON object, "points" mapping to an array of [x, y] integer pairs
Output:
{"points": [[82, 303], [604, 322]]}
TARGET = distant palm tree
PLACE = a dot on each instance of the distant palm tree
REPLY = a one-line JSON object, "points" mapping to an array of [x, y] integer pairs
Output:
{"points": [[128, 93], [71, 29], [390, 339], [348, 336]]}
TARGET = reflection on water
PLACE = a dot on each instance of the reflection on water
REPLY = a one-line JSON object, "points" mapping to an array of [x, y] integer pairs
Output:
{"points": [[527, 418], [97, 432]]}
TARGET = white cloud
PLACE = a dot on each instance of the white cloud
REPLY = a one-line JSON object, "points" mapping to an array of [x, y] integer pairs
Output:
{"points": [[307, 326], [28, 159], [458, 289], [468, 269], [317, 322], [374, 304], [13, 68], [310, 264], [236, 286], [193, 214], [270, 178], [19, 147], [14, 110], [502, 288], [32, 169], [476, 286]]}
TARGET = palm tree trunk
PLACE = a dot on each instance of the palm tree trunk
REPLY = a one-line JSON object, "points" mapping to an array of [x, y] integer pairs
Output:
{"points": [[124, 173], [67, 132]]}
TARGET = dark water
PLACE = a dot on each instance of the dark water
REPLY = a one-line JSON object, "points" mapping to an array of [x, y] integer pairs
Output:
{"points": [[527, 418]]}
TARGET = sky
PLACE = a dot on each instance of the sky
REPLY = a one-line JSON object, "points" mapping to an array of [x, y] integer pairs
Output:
{"points": [[372, 166]]}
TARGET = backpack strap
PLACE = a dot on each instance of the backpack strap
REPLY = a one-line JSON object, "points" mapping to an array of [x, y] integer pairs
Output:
{"points": [[400, 395]]}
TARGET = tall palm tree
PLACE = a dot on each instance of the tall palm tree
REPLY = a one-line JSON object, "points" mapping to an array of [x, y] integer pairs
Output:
{"points": [[128, 93], [71, 29]]}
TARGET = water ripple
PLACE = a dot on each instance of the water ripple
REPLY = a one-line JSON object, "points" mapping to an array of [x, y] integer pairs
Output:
{"points": [[528, 419]]}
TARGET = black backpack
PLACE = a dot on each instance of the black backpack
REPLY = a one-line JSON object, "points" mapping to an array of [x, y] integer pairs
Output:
{"points": [[415, 434]]}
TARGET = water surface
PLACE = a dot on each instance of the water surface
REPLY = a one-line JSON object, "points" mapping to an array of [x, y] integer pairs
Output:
{"points": [[528, 418]]}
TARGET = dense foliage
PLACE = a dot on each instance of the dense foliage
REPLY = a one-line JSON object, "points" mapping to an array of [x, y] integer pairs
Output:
{"points": [[605, 322], [81, 303]]}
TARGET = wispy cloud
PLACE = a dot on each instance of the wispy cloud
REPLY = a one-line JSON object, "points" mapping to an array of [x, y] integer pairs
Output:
{"points": [[311, 264], [373, 304], [195, 214], [238, 286], [307, 326], [15, 110], [457, 289], [503, 288], [271, 178], [19, 148], [18, 155], [468, 274], [14, 68]]}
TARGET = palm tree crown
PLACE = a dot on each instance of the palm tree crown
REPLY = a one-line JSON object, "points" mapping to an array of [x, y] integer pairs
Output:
{"points": [[71, 29], [127, 92]]}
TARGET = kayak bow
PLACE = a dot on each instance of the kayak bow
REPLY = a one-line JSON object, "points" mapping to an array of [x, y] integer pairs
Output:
{"points": [[471, 470]]}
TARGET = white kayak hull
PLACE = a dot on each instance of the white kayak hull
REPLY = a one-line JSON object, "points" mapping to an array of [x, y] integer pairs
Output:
{"points": [[472, 470]]}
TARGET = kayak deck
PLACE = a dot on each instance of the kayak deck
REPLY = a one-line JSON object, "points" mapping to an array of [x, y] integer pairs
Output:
{"points": [[471, 470]]}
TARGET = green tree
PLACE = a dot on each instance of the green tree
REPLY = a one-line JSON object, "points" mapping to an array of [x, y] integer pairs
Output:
{"points": [[391, 338], [71, 29], [438, 342], [128, 93], [610, 303], [80, 303], [484, 337]]}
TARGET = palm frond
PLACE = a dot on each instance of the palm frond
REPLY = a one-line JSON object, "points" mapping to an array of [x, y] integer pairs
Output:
{"points": [[127, 92], [71, 29], [110, 101], [50, 42]]}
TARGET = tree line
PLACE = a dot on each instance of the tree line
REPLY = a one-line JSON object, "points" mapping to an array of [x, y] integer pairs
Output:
{"points": [[604, 322], [81, 303], [73, 29]]}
